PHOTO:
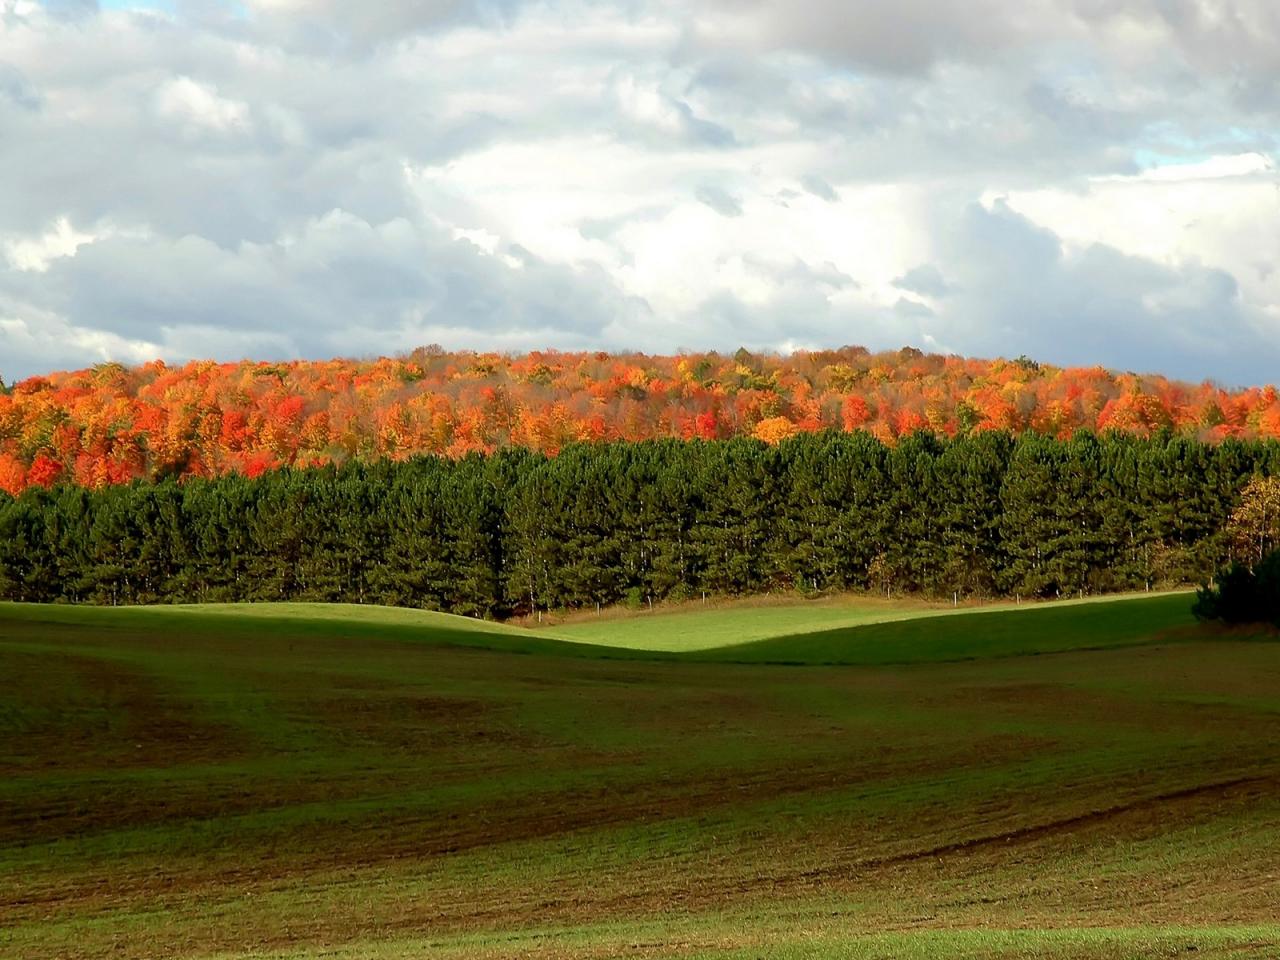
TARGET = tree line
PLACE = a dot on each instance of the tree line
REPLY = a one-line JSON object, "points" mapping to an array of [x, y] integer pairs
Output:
{"points": [[518, 531]]}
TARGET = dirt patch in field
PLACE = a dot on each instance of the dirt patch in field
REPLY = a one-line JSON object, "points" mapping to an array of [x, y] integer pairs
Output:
{"points": [[1147, 809], [93, 713], [401, 722]]}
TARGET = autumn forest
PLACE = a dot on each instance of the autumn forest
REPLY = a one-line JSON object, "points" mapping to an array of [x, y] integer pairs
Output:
{"points": [[113, 424]]}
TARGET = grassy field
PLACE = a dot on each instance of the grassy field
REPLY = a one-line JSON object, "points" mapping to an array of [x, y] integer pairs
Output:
{"points": [[1074, 781], [693, 626]]}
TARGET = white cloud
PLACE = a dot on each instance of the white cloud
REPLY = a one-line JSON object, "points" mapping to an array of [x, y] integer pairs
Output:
{"points": [[36, 253], [1220, 213], [1213, 168], [38, 340], [198, 107]]}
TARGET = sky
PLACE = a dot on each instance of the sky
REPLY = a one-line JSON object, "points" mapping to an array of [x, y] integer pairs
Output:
{"points": [[1081, 181]]}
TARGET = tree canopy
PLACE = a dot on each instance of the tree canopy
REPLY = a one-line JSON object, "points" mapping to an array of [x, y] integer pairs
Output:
{"points": [[113, 424]]}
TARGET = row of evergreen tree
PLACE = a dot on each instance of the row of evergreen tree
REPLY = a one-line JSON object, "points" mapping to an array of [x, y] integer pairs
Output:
{"points": [[515, 532]]}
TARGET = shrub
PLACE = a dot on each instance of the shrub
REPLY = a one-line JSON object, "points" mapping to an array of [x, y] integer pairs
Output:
{"points": [[1243, 595]]}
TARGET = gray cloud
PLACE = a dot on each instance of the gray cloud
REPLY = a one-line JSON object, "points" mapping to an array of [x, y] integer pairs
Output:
{"points": [[72, 9], [15, 88], [336, 26], [925, 279], [1021, 291], [340, 274], [905, 36], [648, 110], [911, 36], [815, 185], [719, 200]]}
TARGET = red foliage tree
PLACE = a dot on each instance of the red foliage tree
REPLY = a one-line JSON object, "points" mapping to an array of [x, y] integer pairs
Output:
{"points": [[13, 475], [44, 472]]}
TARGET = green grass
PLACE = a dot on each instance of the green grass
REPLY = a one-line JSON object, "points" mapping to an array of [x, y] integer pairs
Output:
{"points": [[330, 613], [976, 634], [695, 627], [692, 627], [874, 633], [1064, 781]]}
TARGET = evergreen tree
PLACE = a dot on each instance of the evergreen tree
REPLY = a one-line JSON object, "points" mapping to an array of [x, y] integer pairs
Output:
{"points": [[519, 532]]}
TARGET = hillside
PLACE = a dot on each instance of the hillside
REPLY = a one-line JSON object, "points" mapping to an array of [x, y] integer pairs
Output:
{"points": [[1073, 781], [111, 424], [752, 627]]}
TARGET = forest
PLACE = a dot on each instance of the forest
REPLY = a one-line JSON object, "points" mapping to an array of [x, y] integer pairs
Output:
{"points": [[519, 531], [113, 424]]}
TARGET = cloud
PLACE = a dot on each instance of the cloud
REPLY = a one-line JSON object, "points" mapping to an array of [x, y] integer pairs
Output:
{"points": [[38, 341], [913, 36], [198, 108], [36, 253], [16, 89], [336, 25], [659, 115], [1021, 289], [905, 36], [1083, 180], [926, 279], [72, 9], [339, 275], [719, 200], [815, 185]]}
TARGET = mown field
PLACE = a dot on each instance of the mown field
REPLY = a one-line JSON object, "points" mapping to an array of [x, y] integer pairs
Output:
{"points": [[1097, 780]]}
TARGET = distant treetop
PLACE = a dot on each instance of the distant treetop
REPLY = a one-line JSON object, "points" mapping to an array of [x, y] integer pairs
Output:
{"points": [[112, 424]]}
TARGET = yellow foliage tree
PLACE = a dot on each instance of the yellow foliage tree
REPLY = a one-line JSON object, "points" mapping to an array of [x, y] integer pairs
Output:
{"points": [[1255, 524], [775, 429]]}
